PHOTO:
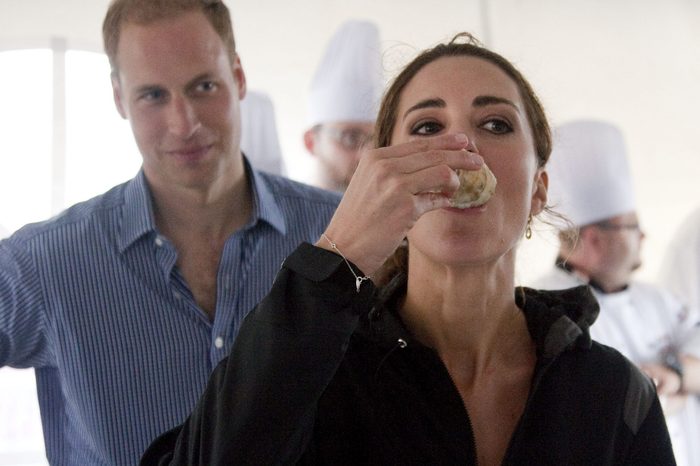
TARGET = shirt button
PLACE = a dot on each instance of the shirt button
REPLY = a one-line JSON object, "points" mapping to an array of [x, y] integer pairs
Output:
{"points": [[159, 241], [219, 342], [177, 296]]}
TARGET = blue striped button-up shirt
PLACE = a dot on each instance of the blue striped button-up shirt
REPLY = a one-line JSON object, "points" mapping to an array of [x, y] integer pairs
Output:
{"points": [[94, 301]]}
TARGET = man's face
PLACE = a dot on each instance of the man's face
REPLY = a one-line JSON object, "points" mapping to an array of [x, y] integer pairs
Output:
{"points": [[181, 94], [620, 244], [337, 147]]}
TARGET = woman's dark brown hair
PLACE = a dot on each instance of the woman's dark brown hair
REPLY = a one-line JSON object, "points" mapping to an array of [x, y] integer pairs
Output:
{"points": [[462, 45], [465, 45]]}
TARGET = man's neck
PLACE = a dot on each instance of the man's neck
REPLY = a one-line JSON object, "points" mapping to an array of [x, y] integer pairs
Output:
{"points": [[215, 212], [599, 283], [324, 180]]}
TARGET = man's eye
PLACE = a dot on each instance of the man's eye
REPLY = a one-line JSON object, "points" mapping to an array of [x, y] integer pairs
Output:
{"points": [[426, 128], [153, 95], [206, 86], [497, 126], [354, 139]]}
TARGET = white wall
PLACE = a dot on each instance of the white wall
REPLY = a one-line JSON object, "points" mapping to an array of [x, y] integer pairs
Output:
{"points": [[634, 62]]}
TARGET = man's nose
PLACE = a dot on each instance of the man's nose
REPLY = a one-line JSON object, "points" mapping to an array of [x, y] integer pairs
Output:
{"points": [[182, 118]]}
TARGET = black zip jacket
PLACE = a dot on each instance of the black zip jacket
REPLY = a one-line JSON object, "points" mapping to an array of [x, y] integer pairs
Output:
{"points": [[320, 375]]}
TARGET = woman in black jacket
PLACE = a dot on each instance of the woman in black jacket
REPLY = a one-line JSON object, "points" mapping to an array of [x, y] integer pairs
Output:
{"points": [[443, 362]]}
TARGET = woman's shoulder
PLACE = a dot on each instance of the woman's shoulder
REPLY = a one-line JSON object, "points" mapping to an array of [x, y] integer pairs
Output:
{"points": [[558, 320], [615, 374]]}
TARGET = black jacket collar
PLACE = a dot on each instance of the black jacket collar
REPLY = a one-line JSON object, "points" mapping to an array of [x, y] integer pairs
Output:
{"points": [[556, 319]]}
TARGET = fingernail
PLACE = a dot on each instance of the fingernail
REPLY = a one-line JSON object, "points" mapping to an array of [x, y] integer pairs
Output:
{"points": [[461, 137], [479, 160]]}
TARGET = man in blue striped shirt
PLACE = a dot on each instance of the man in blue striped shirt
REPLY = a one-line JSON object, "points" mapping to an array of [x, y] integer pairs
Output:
{"points": [[125, 303]]}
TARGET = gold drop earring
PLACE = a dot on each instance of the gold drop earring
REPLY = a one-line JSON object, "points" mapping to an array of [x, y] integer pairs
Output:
{"points": [[528, 227]]}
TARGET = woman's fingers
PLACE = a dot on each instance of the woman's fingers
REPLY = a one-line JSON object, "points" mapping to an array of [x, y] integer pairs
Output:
{"points": [[391, 189], [425, 144], [425, 153]]}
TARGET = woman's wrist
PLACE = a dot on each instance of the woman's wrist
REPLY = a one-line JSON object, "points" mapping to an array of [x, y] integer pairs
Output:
{"points": [[359, 278]]}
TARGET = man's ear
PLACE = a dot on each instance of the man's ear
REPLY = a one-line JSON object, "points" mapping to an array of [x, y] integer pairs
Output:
{"points": [[118, 96], [310, 140], [539, 192], [592, 239], [239, 77]]}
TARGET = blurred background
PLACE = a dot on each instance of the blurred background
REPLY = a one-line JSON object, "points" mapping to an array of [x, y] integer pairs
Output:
{"points": [[633, 62]]}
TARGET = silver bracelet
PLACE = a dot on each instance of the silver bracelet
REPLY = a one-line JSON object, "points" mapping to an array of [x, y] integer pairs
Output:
{"points": [[358, 279]]}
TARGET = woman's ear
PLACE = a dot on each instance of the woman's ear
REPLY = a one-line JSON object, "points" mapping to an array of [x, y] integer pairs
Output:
{"points": [[539, 191]]}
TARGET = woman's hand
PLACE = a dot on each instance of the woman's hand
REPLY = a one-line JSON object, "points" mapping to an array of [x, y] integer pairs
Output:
{"points": [[390, 190]]}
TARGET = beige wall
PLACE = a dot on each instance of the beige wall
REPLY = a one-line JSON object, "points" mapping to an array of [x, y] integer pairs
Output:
{"points": [[635, 62]]}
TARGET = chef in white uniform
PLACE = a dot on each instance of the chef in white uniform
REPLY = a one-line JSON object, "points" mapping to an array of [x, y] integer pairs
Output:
{"points": [[590, 184], [680, 269], [343, 101], [259, 140]]}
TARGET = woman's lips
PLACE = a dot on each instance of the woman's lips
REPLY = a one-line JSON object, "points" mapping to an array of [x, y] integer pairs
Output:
{"points": [[466, 210]]}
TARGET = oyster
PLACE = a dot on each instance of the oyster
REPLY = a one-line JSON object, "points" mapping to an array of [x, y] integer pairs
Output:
{"points": [[475, 187]]}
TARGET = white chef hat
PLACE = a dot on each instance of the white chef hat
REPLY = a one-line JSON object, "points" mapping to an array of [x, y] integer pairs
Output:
{"points": [[259, 140], [3, 232], [348, 82], [589, 177]]}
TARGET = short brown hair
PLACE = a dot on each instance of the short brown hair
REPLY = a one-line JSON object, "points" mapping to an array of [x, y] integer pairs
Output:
{"points": [[121, 12], [464, 44]]}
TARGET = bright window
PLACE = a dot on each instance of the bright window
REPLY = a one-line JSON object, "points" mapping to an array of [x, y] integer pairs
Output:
{"points": [[62, 142], [26, 135], [62, 138], [100, 151]]}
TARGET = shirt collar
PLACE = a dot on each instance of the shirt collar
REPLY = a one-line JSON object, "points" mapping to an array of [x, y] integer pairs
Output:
{"points": [[138, 218], [265, 203], [137, 214], [556, 319]]}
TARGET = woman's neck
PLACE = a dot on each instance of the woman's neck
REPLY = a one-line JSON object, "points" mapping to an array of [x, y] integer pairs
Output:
{"points": [[467, 313]]}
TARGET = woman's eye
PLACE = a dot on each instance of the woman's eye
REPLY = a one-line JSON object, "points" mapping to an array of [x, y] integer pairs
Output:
{"points": [[426, 128], [497, 126]]}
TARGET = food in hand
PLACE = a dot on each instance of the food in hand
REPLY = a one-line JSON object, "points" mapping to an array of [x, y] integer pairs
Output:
{"points": [[475, 187]]}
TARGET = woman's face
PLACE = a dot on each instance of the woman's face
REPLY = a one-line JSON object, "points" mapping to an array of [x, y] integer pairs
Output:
{"points": [[473, 96]]}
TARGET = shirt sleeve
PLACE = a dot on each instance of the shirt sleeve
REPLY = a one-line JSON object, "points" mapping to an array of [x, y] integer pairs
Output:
{"points": [[688, 327], [652, 445], [691, 343], [260, 403], [680, 268], [22, 310]]}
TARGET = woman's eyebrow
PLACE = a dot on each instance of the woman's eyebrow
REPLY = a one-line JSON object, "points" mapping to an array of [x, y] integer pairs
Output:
{"points": [[427, 103], [484, 100]]}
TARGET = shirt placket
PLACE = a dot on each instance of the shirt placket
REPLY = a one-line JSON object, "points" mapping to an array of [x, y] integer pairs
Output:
{"points": [[229, 285]]}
